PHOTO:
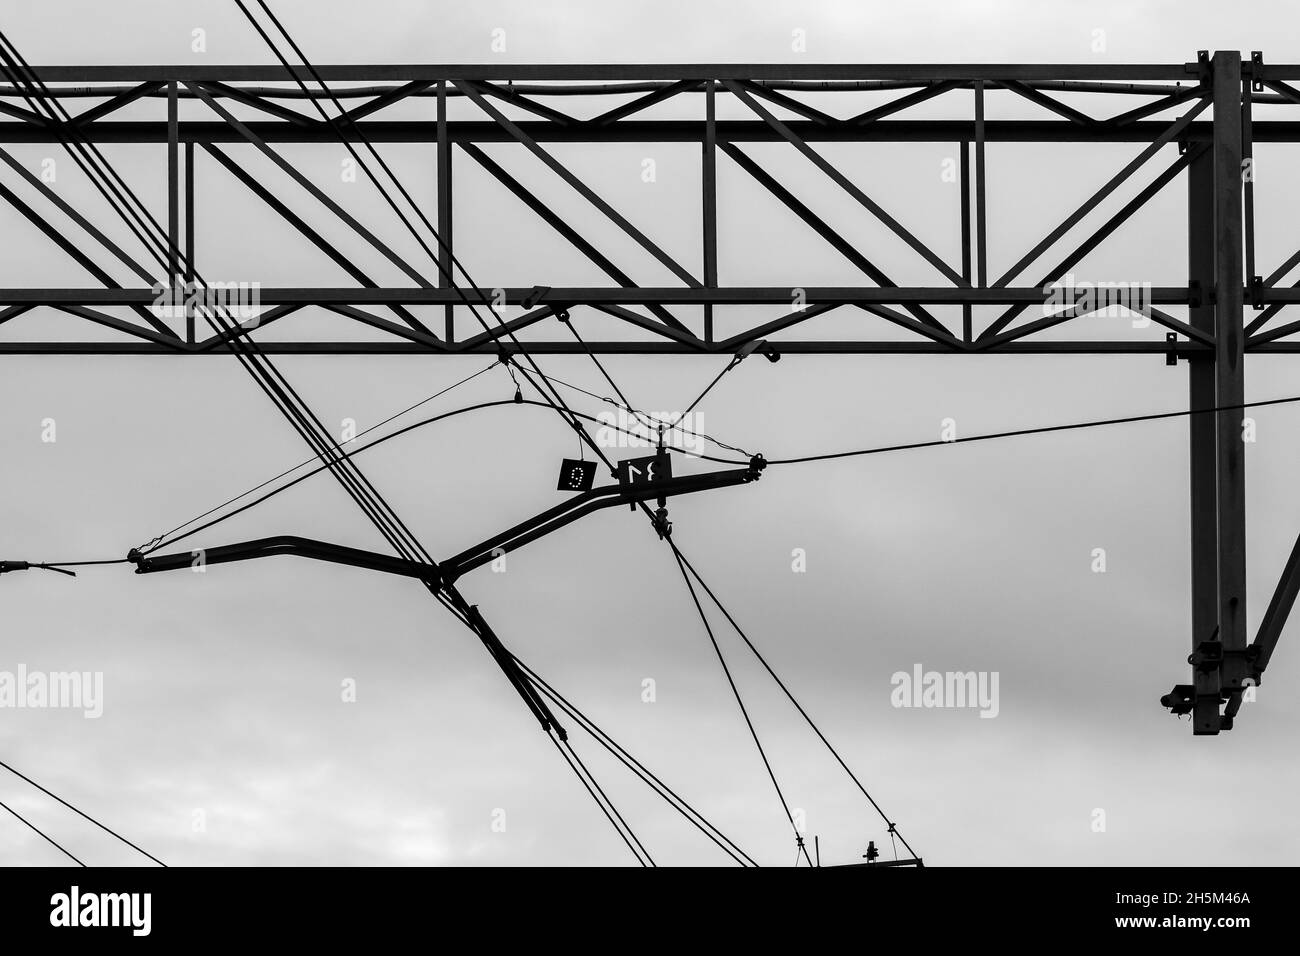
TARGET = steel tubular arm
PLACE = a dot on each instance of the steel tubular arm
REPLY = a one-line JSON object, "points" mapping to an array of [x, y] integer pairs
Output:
{"points": [[536, 527], [587, 503], [291, 545]]}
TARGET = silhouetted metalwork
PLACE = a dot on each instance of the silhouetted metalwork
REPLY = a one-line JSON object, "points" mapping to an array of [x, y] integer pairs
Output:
{"points": [[1204, 108]]}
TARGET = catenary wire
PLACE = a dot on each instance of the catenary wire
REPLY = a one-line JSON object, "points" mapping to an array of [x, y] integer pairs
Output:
{"points": [[740, 702], [570, 418], [599, 803], [303, 464], [447, 273], [682, 560], [83, 815], [168, 540], [667, 793], [44, 836], [88, 155], [1041, 430]]}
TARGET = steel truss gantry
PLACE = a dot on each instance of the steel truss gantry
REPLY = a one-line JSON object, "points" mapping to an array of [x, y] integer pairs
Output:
{"points": [[1202, 109]]}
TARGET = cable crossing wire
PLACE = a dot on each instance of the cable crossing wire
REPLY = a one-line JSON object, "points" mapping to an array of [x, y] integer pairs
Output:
{"points": [[740, 702], [686, 565], [643, 772], [83, 815], [44, 836]]}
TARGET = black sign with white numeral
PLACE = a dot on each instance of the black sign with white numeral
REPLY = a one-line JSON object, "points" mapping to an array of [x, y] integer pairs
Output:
{"points": [[639, 471], [576, 475]]}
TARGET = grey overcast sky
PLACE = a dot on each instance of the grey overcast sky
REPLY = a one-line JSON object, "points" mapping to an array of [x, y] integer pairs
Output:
{"points": [[222, 691]]}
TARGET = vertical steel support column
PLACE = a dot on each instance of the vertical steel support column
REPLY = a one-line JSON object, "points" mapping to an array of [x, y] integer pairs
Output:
{"points": [[1229, 365], [1248, 182], [709, 187], [444, 210], [1201, 432]]}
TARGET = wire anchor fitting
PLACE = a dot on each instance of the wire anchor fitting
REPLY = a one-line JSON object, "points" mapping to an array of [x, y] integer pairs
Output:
{"points": [[7, 566]]}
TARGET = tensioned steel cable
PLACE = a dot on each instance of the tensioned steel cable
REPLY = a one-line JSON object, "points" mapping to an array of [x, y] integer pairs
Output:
{"points": [[732, 461], [455, 263], [1014, 433], [92, 162], [708, 388], [104, 189], [406, 195], [648, 860], [553, 397], [667, 793], [154, 544], [1028, 431], [249, 354], [649, 420], [627, 403], [570, 419], [682, 565], [611, 817], [1045, 429], [356, 488], [740, 702], [653, 421], [94, 165], [83, 815], [299, 414], [44, 836], [451, 595], [682, 561], [499, 403], [371, 503]]}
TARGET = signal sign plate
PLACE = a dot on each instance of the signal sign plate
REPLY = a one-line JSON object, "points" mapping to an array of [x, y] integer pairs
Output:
{"points": [[640, 471], [576, 475]]}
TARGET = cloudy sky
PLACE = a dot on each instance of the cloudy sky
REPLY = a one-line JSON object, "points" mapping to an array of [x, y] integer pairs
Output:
{"points": [[222, 691]]}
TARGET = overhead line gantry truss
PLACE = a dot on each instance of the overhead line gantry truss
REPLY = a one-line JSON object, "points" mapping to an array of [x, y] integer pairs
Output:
{"points": [[1203, 109]]}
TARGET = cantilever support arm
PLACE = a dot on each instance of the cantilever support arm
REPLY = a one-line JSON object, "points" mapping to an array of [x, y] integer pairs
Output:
{"points": [[288, 544], [588, 502], [441, 574]]}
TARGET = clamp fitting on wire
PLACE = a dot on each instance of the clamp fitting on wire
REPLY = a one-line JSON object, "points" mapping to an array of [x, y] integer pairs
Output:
{"points": [[7, 566]]}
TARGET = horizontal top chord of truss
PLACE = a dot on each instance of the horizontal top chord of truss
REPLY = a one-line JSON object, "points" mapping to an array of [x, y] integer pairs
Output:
{"points": [[1158, 107], [581, 72], [527, 87], [525, 84]]}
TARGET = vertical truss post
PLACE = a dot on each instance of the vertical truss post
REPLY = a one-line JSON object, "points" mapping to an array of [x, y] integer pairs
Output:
{"points": [[444, 209], [173, 186], [966, 311], [981, 224], [1229, 366], [709, 188], [1201, 428]]}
